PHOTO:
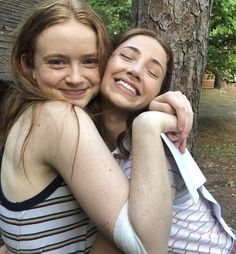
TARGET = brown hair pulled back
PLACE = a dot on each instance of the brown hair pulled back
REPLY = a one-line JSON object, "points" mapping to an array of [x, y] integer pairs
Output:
{"points": [[164, 88]]}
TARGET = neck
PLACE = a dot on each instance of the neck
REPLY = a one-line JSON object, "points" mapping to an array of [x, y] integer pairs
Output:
{"points": [[114, 121]]}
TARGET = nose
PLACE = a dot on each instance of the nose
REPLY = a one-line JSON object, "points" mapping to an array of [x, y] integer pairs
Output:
{"points": [[74, 76], [135, 70]]}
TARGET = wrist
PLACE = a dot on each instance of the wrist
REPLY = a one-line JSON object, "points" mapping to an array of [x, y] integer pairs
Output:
{"points": [[148, 122]]}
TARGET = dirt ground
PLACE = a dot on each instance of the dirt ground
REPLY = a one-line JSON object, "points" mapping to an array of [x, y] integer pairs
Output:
{"points": [[216, 147]]}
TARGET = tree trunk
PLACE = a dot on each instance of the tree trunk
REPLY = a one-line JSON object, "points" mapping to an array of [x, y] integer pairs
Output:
{"points": [[184, 25], [217, 83]]}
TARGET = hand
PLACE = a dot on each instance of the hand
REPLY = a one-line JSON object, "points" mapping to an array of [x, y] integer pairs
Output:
{"points": [[176, 103]]}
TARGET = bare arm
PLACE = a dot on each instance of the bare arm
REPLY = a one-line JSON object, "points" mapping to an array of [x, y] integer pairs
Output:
{"points": [[162, 212], [83, 160], [95, 178], [3, 249], [152, 202], [155, 210], [102, 245]]}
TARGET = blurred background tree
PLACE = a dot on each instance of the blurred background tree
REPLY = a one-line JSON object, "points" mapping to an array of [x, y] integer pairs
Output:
{"points": [[221, 57], [218, 59], [116, 14]]}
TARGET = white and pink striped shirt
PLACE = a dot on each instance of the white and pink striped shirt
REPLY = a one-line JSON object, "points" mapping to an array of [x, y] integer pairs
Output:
{"points": [[197, 225]]}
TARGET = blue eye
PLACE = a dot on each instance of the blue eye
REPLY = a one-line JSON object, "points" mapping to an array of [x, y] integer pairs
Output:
{"points": [[57, 63], [91, 62]]}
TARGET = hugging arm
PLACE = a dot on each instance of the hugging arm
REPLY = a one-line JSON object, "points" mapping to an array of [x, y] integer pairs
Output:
{"points": [[177, 104], [97, 182], [76, 150], [3, 249], [102, 245], [149, 155]]}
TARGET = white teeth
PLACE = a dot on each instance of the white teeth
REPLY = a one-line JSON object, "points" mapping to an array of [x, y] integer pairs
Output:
{"points": [[129, 87]]}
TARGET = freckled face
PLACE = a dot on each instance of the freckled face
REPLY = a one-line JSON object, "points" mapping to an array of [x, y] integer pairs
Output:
{"points": [[66, 60], [134, 73]]}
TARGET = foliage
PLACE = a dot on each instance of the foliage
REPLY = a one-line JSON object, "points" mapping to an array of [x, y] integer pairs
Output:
{"points": [[115, 13], [221, 57]]}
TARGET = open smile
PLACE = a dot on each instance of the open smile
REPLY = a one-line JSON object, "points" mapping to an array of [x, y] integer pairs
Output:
{"points": [[127, 86]]}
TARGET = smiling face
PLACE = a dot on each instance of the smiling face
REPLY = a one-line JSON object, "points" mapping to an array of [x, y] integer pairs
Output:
{"points": [[134, 73], [66, 60]]}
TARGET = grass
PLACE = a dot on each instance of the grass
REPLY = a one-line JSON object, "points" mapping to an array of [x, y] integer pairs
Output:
{"points": [[216, 147]]}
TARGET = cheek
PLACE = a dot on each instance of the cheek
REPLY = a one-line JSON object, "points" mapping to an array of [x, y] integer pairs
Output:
{"points": [[107, 79], [157, 90], [46, 78], [105, 86], [153, 89], [96, 87], [94, 77]]}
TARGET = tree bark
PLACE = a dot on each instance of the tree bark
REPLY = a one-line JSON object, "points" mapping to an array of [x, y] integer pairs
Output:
{"points": [[184, 25], [217, 83]]}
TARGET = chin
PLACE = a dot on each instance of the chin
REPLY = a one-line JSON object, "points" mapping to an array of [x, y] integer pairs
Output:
{"points": [[79, 103], [82, 104]]}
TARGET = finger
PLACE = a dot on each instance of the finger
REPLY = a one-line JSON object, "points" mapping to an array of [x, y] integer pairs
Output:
{"points": [[184, 116], [175, 103], [173, 136], [179, 104], [182, 120], [185, 126], [156, 105], [179, 143], [183, 146], [191, 114]]}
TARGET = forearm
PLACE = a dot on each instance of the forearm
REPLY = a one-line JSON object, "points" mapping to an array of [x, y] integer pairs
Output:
{"points": [[95, 174], [3, 249], [102, 245], [150, 205], [1, 241]]}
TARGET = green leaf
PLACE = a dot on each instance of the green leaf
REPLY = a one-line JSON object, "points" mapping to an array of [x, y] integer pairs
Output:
{"points": [[221, 58], [116, 14]]}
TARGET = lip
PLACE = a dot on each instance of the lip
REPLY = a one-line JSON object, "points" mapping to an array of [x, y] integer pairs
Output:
{"points": [[129, 82], [73, 94]]}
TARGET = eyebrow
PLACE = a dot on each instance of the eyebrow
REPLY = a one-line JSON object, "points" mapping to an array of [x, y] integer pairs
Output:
{"points": [[91, 54], [94, 54], [153, 60]]}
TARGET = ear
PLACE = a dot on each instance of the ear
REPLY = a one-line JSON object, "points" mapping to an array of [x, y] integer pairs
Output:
{"points": [[25, 65]]}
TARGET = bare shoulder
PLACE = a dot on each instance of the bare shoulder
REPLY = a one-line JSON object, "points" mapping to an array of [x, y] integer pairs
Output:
{"points": [[59, 114], [57, 110], [59, 128]]}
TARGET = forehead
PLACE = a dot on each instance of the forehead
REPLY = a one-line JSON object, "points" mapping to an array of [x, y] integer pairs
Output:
{"points": [[69, 35], [145, 44]]}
